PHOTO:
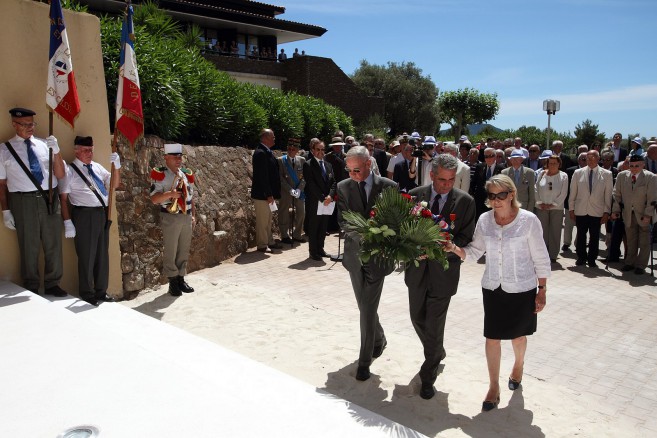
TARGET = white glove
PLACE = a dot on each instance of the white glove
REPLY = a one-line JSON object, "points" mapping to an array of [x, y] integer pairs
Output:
{"points": [[51, 141], [292, 193], [116, 160], [8, 219], [69, 229]]}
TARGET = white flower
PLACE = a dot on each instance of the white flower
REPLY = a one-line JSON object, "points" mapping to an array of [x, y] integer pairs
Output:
{"points": [[424, 204]]}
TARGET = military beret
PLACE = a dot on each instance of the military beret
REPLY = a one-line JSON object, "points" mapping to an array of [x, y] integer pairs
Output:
{"points": [[83, 141], [634, 158], [21, 112]]}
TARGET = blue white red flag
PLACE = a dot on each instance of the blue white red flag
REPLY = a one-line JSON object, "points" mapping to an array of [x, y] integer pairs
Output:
{"points": [[62, 94], [129, 114]]}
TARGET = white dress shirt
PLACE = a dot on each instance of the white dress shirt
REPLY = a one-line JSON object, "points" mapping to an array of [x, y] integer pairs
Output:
{"points": [[10, 170], [516, 255], [78, 192]]}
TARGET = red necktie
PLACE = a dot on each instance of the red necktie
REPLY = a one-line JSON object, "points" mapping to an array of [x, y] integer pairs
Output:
{"points": [[633, 179]]}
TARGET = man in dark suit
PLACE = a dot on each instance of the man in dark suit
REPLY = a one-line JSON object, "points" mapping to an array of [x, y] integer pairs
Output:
{"points": [[482, 174], [320, 187], [336, 158], [566, 161], [405, 170], [358, 193], [532, 162], [619, 153], [430, 287], [379, 154], [265, 189]]}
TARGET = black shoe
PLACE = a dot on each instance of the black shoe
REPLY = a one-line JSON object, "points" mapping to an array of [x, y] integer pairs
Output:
{"points": [[362, 373], [378, 350], [105, 299], [316, 257], [262, 249], [276, 246], [627, 268], [183, 286], [286, 240], [427, 392], [639, 271], [490, 405], [514, 384], [56, 291], [580, 262], [553, 260], [565, 248], [592, 264], [174, 287], [300, 240]]}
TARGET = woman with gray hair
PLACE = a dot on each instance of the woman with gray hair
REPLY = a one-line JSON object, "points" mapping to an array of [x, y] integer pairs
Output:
{"points": [[514, 281]]}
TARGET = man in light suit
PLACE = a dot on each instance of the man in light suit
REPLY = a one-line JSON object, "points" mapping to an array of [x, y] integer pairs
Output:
{"points": [[635, 193], [590, 204], [430, 287], [320, 187], [523, 178], [462, 181], [290, 167], [366, 278]]}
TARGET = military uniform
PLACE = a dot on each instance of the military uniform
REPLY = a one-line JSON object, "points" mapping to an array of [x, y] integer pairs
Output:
{"points": [[26, 209], [176, 227]]}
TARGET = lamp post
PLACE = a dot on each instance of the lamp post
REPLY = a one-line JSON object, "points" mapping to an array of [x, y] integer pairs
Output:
{"points": [[551, 106]]}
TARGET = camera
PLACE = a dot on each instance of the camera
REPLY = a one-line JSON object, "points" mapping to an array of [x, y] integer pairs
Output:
{"points": [[417, 147], [419, 150]]}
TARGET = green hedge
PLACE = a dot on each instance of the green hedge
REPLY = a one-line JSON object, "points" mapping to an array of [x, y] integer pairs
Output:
{"points": [[186, 99]]}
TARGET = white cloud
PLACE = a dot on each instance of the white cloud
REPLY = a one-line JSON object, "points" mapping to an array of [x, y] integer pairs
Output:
{"points": [[642, 97]]}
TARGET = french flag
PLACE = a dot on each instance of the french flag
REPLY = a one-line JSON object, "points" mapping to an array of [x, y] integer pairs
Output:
{"points": [[62, 94], [129, 115]]}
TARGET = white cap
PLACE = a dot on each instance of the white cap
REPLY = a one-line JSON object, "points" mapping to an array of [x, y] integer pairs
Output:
{"points": [[173, 148]]}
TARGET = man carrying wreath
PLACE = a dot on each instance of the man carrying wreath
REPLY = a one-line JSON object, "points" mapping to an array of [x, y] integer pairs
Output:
{"points": [[430, 287]]}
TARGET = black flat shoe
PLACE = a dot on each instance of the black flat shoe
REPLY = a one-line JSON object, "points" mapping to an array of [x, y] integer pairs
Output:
{"points": [[362, 373], [427, 392], [106, 299], [56, 291], [514, 384], [490, 405]]}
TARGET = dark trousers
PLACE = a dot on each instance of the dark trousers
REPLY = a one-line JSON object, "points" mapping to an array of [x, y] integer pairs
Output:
{"points": [[36, 229], [367, 289], [617, 229], [587, 225], [91, 246], [316, 230]]}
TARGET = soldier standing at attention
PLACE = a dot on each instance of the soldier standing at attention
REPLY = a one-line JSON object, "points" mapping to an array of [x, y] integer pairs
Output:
{"points": [[173, 189]]}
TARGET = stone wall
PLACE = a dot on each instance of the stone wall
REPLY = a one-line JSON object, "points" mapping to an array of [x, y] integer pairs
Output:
{"points": [[225, 216]]}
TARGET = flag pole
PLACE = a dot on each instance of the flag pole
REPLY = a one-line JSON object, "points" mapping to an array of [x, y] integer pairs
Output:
{"points": [[50, 158]]}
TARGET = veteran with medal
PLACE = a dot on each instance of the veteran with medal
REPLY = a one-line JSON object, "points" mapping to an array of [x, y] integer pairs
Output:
{"points": [[173, 189]]}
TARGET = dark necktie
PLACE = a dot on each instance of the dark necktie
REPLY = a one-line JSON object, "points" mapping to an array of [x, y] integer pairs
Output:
{"points": [[292, 162], [654, 166], [321, 165], [35, 167], [435, 207], [517, 176], [363, 194], [591, 181], [97, 180], [489, 173]]}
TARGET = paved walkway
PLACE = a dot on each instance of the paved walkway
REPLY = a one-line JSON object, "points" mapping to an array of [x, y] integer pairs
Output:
{"points": [[591, 369]]}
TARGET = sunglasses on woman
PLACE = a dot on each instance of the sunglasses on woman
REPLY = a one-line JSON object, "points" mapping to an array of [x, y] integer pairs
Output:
{"points": [[501, 196]]}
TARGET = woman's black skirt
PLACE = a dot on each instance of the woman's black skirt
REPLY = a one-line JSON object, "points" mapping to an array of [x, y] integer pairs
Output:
{"points": [[509, 315]]}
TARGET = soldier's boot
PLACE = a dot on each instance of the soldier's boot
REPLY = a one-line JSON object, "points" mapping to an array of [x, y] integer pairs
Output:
{"points": [[183, 286], [174, 287]]}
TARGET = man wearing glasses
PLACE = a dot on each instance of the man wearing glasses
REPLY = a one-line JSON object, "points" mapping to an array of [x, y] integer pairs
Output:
{"points": [[590, 205], [27, 204], [532, 162], [482, 174], [358, 193], [635, 195]]}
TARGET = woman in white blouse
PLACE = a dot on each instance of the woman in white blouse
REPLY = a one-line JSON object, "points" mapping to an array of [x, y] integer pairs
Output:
{"points": [[551, 191], [517, 264]]}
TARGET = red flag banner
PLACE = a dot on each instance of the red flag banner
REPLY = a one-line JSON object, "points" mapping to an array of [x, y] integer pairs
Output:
{"points": [[129, 114], [62, 93]]}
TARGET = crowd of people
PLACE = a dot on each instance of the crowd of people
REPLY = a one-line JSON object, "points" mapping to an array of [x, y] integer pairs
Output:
{"points": [[524, 201], [263, 53]]}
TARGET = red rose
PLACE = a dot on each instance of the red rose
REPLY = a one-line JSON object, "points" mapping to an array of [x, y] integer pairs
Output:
{"points": [[426, 213], [447, 236], [407, 196], [372, 213]]}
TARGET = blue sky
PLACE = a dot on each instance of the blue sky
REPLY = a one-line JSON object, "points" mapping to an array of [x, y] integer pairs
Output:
{"points": [[597, 57]]}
